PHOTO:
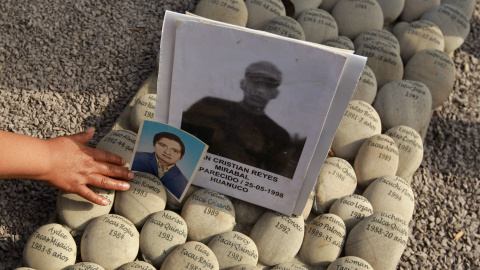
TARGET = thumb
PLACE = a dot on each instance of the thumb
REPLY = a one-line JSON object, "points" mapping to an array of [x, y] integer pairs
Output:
{"points": [[84, 137]]}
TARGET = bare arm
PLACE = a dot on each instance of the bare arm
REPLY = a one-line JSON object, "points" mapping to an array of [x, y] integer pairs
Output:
{"points": [[64, 162]]}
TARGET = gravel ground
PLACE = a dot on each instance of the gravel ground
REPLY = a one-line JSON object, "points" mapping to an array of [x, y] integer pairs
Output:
{"points": [[68, 65]]}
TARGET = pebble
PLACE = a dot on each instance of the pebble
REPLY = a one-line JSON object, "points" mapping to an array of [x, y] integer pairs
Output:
{"points": [[414, 9], [366, 88], [453, 23], [85, 266], [384, 61], [76, 212], [285, 26], [352, 209], [302, 5], [350, 262], [467, 6], [391, 194], [191, 255], [335, 180], [410, 150], [245, 267], [356, 16], [379, 239], [136, 265], [417, 36], [145, 196], [375, 36], [143, 109], [377, 157], [341, 42], [324, 240], [289, 266], [228, 11], [233, 249], [50, 247], [404, 102], [278, 237], [359, 123], [308, 206], [247, 213], [174, 204], [119, 142], [436, 70], [162, 232], [391, 10], [260, 12], [110, 241], [328, 5], [318, 25], [208, 213]]}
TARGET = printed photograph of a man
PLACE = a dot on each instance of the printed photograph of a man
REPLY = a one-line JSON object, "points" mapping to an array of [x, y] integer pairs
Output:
{"points": [[241, 130], [163, 155]]}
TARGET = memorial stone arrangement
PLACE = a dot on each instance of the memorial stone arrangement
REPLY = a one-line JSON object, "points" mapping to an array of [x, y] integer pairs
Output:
{"points": [[360, 209]]}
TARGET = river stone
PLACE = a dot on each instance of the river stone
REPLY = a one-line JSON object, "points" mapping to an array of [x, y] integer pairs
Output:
{"points": [[285, 26], [85, 266], [379, 239], [145, 196], [318, 25], [436, 70], [119, 142], [302, 5], [352, 209], [384, 61], [356, 16], [208, 213], [233, 248], [162, 232], [228, 11], [50, 247], [335, 180], [308, 206], [375, 36], [328, 5], [245, 267], [350, 262], [366, 88], [452, 21], [391, 194], [404, 102], [278, 237], [414, 9], [289, 266], [24, 268], [417, 36], [410, 150], [172, 202], [137, 265], [377, 157], [359, 123], [191, 255], [260, 12], [143, 109], [341, 42], [75, 212], [324, 239], [391, 9], [247, 213], [110, 241], [467, 6]]}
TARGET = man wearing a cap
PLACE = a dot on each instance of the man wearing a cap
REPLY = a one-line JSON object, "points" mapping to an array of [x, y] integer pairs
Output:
{"points": [[241, 131]]}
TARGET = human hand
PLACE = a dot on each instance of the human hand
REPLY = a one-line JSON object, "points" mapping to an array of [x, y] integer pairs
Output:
{"points": [[73, 165]]}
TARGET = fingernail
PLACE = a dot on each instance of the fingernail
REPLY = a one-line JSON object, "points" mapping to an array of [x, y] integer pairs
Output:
{"points": [[125, 185], [131, 175], [124, 161], [104, 202], [90, 130]]}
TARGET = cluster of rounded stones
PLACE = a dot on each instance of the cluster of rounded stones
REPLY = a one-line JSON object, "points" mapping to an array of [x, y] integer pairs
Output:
{"points": [[358, 213]]}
